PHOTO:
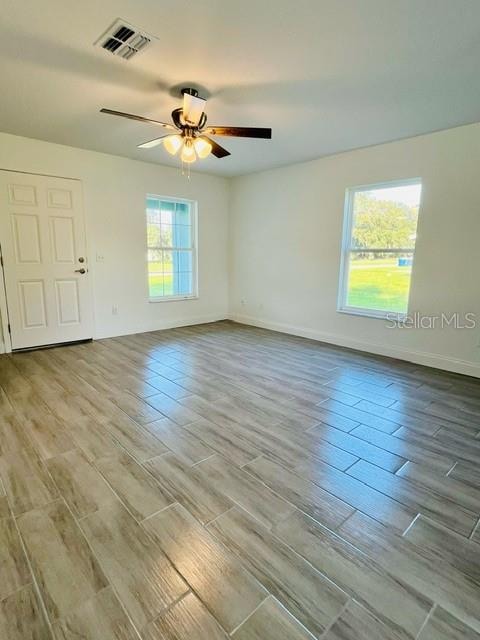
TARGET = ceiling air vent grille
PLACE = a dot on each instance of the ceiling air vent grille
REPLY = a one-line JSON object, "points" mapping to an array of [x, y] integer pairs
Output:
{"points": [[124, 40]]}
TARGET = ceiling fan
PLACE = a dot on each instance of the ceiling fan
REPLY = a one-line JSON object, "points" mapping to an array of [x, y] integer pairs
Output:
{"points": [[192, 134]]}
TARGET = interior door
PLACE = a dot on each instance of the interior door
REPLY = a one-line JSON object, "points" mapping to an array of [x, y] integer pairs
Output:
{"points": [[42, 238]]}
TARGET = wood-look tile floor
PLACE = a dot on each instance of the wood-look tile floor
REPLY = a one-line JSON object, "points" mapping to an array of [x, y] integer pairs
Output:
{"points": [[225, 481]]}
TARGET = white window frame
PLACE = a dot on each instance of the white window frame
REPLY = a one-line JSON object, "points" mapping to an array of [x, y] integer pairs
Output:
{"points": [[194, 217], [342, 306]]}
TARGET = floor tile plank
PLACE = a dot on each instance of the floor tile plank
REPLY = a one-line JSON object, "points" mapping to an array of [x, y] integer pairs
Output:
{"points": [[302, 493], [235, 447], [4, 508], [392, 601], [363, 392], [141, 411], [79, 483], [243, 489], [226, 589], [460, 553], [446, 486], [423, 570], [358, 495], [358, 447], [137, 489], [25, 479], [440, 462], [443, 626], [416, 497], [66, 571], [178, 413], [13, 563], [100, 618], [186, 446], [467, 473], [304, 446], [443, 447], [362, 417], [357, 623], [188, 619], [93, 438], [333, 419], [141, 444], [142, 576], [425, 425], [271, 621], [48, 436], [189, 487], [306, 593], [21, 617]]}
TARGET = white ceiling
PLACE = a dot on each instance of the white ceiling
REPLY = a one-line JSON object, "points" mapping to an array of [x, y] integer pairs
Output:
{"points": [[326, 75]]}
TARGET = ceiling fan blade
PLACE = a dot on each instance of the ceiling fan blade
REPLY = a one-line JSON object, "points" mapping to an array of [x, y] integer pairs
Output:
{"points": [[217, 150], [131, 116], [193, 107], [240, 132], [152, 143]]}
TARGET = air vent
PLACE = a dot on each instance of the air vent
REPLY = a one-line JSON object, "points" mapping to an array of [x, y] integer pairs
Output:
{"points": [[123, 40]]}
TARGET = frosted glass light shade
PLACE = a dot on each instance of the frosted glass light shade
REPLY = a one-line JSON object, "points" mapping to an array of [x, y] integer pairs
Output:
{"points": [[188, 152], [202, 147], [173, 143]]}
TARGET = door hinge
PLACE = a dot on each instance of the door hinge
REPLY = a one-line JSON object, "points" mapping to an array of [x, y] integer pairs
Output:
{"points": [[1, 261], [9, 330]]}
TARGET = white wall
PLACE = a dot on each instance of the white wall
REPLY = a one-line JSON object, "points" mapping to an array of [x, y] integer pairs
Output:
{"points": [[285, 241], [114, 198]]}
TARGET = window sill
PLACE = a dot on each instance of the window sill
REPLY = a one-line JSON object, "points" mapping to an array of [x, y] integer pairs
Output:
{"points": [[391, 316], [173, 299]]}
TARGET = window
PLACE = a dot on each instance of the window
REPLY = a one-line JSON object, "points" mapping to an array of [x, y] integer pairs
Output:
{"points": [[378, 247], [171, 248]]}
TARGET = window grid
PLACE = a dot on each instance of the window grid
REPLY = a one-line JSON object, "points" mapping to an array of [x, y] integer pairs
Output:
{"points": [[171, 250]]}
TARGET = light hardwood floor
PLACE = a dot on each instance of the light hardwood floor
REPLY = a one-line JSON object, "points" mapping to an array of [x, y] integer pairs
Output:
{"points": [[226, 481]]}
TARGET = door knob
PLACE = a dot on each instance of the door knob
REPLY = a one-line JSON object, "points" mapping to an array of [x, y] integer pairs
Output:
{"points": [[82, 270]]}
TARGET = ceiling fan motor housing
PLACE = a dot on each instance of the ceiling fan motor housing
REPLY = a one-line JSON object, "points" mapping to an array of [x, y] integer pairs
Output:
{"points": [[190, 91], [177, 117]]}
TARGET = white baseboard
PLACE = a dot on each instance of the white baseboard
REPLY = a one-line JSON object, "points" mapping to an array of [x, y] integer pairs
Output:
{"points": [[158, 326], [418, 357]]}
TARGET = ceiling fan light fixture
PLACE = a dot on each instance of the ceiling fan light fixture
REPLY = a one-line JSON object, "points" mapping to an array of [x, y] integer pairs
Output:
{"points": [[189, 132], [188, 152], [202, 147], [193, 107], [173, 143]]}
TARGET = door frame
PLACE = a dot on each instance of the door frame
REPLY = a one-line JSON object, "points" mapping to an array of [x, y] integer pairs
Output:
{"points": [[4, 316], [7, 343]]}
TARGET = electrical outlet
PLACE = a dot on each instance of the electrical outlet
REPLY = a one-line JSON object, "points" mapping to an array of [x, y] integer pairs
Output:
{"points": [[100, 257]]}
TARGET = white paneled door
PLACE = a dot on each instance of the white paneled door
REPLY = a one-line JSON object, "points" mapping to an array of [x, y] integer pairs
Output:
{"points": [[42, 239]]}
